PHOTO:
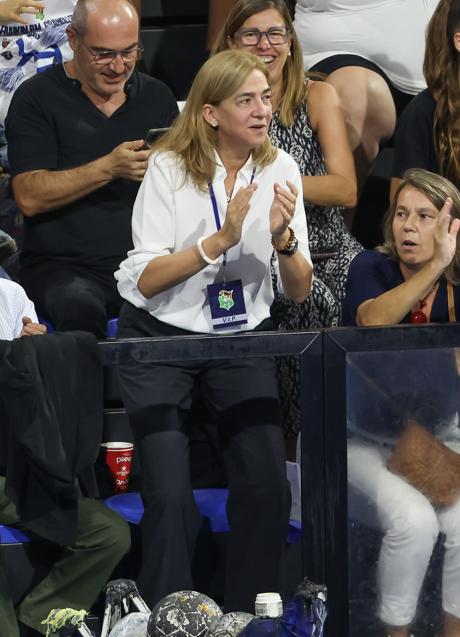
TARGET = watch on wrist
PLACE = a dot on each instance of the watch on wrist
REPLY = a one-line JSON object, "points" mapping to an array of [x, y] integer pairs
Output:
{"points": [[290, 247]]}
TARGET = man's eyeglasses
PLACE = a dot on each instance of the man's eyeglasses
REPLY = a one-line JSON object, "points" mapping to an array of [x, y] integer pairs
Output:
{"points": [[106, 56], [252, 37]]}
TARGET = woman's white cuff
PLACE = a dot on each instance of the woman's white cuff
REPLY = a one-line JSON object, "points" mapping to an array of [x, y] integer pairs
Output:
{"points": [[203, 255]]}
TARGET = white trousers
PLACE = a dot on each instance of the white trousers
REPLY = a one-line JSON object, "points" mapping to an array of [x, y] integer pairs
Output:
{"points": [[411, 526]]}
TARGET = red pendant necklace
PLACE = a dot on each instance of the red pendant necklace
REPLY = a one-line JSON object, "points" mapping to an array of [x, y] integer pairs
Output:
{"points": [[418, 315]]}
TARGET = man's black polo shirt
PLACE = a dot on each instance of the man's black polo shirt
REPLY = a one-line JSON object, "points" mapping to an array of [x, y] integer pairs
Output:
{"points": [[53, 125]]}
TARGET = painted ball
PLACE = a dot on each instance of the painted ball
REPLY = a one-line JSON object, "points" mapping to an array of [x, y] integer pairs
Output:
{"points": [[183, 614], [132, 625], [229, 625]]}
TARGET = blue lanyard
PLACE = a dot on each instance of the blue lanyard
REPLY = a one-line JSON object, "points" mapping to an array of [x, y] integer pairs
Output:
{"points": [[216, 211]]}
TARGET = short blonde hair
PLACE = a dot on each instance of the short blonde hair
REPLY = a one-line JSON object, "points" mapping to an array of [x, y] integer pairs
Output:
{"points": [[191, 136], [436, 189]]}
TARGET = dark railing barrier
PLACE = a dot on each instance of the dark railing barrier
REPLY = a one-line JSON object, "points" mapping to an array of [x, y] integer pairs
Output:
{"points": [[342, 348], [306, 345], [177, 348], [325, 359]]}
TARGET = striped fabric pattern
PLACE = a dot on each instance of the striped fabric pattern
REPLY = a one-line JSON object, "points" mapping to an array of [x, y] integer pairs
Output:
{"points": [[14, 304]]}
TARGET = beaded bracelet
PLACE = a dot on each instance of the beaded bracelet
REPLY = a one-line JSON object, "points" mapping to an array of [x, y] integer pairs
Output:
{"points": [[291, 245]]}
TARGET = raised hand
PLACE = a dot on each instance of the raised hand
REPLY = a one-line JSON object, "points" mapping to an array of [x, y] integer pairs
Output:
{"points": [[11, 10], [445, 235], [237, 210], [128, 161], [282, 209]]}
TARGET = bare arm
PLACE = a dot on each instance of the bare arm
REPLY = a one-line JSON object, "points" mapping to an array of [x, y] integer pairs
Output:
{"points": [[296, 274], [40, 191], [12, 10], [392, 306], [165, 272], [217, 14], [338, 186]]}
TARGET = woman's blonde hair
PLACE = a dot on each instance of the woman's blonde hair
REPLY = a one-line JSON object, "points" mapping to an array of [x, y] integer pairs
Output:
{"points": [[436, 189], [441, 69], [191, 136], [294, 86]]}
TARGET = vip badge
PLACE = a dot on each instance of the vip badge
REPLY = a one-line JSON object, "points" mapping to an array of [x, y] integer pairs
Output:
{"points": [[226, 302]]}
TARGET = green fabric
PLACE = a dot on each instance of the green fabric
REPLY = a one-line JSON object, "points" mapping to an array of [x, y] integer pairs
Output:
{"points": [[8, 623], [78, 575]]}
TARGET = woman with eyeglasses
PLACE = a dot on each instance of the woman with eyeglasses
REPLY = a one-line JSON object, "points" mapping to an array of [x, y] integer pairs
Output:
{"points": [[307, 123]]}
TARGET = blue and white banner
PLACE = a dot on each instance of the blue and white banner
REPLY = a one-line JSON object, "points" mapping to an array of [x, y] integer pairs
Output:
{"points": [[32, 48]]}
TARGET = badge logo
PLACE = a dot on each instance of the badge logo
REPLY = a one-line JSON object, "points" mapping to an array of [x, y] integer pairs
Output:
{"points": [[40, 15], [225, 299]]}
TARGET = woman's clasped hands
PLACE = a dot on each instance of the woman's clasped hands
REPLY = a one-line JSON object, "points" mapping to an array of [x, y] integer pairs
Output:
{"points": [[281, 212]]}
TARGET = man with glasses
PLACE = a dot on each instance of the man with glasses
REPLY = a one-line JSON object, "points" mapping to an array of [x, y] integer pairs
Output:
{"points": [[76, 136]]}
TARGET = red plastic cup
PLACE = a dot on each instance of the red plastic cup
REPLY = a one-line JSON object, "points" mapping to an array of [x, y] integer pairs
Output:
{"points": [[119, 459]]}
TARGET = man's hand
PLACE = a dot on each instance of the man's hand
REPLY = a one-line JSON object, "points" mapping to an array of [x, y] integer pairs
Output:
{"points": [[11, 10], [31, 329], [128, 161], [41, 191]]}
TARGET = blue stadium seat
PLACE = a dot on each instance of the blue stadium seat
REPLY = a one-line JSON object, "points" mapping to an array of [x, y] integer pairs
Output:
{"points": [[10, 535], [112, 326], [49, 326], [211, 503], [23, 563]]}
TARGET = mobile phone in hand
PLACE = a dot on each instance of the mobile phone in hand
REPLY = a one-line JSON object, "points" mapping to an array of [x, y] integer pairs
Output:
{"points": [[152, 135]]}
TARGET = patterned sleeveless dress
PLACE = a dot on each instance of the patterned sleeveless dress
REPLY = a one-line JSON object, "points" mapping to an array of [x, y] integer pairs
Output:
{"points": [[332, 248]]}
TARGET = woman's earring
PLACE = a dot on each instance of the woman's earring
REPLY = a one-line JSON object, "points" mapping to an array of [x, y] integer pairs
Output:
{"points": [[214, 124]]}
